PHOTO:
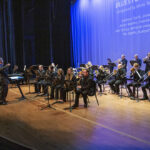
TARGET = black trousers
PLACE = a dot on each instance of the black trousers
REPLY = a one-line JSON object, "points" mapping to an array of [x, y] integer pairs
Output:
{"points": [[84, 95], [3, 92], [114, 85], [144, 87], [100, 82], [39, 86], [134, 85], [64, 92], [56, 88]]}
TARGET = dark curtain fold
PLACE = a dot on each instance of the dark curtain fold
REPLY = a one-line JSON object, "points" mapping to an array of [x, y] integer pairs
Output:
{"points": [[35, 32]]}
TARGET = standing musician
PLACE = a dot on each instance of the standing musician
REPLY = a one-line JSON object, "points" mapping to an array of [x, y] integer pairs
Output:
{"points": [[3, 82], [40, 74], [57, 84], [146, 86], [138, 60], [136, 73], [119, 79], [110, 66], [101, 75], [83, 86], [124, 62], [70, 82], [147, 62]]}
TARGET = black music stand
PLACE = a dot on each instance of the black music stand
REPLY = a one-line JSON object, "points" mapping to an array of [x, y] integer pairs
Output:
{"points": [[106, 66], [82, 65], [94, 67], [132, 62], [48, 103], [112, 64]]}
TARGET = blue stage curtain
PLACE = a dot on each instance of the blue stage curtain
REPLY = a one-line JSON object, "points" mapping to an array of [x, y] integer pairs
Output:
{"points": [[7, 36], [97, 33]]}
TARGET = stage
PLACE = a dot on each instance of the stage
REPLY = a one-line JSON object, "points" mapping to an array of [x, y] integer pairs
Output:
{"points": [[117, 123]]}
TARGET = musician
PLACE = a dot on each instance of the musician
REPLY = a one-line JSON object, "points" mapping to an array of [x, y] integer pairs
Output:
{"points": [[100, 76], [3, 82], [40, 74], [57, 84], [119, 78], [70, 82], [89, 67], [138, 60], [15, 69], [124, 62], [83, 87], [110, 66], [136, 74], [146, 86], [147, 62], [50, 74]]}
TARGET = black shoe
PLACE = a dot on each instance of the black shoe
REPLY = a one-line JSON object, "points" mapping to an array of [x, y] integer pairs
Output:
{"points": [[74, 106], [132, 98], [85, 106], [4, 103], [144, 98]]}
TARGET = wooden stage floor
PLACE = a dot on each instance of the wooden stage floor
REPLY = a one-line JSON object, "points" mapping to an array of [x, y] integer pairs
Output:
{"points": [[116, 124]]}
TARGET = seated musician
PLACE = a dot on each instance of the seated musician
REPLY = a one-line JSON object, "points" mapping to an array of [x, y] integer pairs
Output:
{"points": [[3, 82], [40, 74], [147, 62], [101, 75], [49, 76], [146, 86], [57, 84], [138, 60], [16, 69], [89, 67], [69, 84], [124, 62], [82, 88], [119, 79], [136, 74]]}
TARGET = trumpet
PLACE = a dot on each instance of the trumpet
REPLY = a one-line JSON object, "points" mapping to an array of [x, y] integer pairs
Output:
{"points": [[110, 75], [144, 77], [145, 59], [133, 70]]}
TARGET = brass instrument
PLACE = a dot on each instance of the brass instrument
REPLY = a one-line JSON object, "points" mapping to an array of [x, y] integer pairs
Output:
{"points": [[144, 77], [132, 69]]}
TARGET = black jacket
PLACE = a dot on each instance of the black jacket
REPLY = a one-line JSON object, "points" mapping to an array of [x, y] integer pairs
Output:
{"points": [[135, 75], [147, 62], [121, 73], [3, 75]]}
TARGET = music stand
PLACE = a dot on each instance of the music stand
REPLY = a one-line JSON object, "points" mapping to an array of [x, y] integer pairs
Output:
{"points": [[94, 67], [82, 65], [132, 62], [106, 66], [48, 103], [112, 64]]}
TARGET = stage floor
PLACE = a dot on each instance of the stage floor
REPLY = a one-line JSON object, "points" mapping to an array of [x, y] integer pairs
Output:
{"points": [[116, 124]]}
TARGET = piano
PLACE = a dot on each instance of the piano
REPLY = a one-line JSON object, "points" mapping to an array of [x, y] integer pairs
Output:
{"points": [[16, 78]]}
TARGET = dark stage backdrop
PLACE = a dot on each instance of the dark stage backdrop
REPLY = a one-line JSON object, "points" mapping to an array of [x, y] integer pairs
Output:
{"points": [[35, 32], [104, 29]]}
